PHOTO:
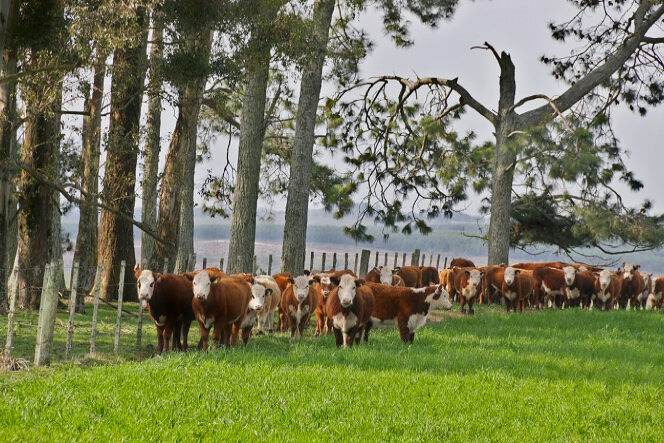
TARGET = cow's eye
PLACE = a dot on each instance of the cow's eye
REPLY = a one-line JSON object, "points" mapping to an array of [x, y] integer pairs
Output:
{"points": [[152, 284]]}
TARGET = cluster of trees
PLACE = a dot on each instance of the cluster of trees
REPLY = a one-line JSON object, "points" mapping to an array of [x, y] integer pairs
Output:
{"points": [[252, 70]]}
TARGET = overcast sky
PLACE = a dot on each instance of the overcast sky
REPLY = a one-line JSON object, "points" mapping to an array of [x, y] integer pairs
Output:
{"points": [[518, 27]]}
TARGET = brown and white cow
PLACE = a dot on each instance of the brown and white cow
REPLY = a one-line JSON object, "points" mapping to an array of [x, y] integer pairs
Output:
{"points": [[349, 307], [446, 278], [607, 288], [461, 263], [631, 285], [467, 284], [386, 275], [518, 285], [642, 298], [298, 302], [272, 299], [168, 299], [220, 302], [256, 306], [492, 283], [282, 280], [579, 287], [429, 275], [656, 296], [549, 286], [407, 307], [411, 275], [324, 287]]}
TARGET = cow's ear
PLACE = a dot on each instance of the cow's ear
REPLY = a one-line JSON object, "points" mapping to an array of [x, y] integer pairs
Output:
{"points": [[481, 274], [312, 282], [517, 271], [157, 277], [215, 280], [290, 280], [637, 267], [189, 276], [137, 270], [317, 278], [467, 272], [334, 280], [395, 271], [306, 272], [359, 282], [268, 291], [375, 269]]}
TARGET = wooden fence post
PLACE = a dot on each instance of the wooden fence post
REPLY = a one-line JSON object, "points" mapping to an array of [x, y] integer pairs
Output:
{"points": [[357, 256], [95, 310], [445, 264], [221, 263], [322, 264], [423, 258], [72, 310], [438, 262], [311, 261], [204, 263], [255, 267], [118, 321], [165, 266], [334, 261], [47, 309], [192, 263], [415, 258], [269, 264], [403, 260], [346, 260], [139, 325], [376, 265], [396, 257], [385, 264], [364, 263], [9, 346]]}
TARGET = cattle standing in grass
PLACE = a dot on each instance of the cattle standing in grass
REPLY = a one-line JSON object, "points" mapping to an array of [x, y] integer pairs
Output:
{"points": [[282, 281], [446, 278], [556, 265], [254, 309], [350, 306], [607, 288], [411, 275], [631, 285], [655, 297], [492, 283], [407, 307], [298, 302], [467, 284], [461, 263], [642, 298], [516, 288], [220, 302], [272, 299], [324, 287], [549, 285], [168, 299], [579, 287], [385, 275], [429, 275]]}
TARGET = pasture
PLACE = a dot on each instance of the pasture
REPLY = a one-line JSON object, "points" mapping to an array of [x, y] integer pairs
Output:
{"points": [[551, 375]]}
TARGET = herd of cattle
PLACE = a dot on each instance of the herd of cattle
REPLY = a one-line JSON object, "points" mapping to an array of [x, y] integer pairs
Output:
{"points": [[232, 306]]}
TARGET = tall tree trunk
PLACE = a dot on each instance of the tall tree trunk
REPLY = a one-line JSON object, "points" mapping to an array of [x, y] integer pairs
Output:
{"points": [[8, 20], [186, 228], [177, 186], [85, 251], [503, 169], [152, 140], [297, 204], [116, 236]]}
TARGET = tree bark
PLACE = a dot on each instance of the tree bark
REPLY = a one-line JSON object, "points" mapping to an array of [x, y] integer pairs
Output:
{"points": [[177, 183], [297, 204], [185, 245], [152, 140], [116, 236], [85, 251], [5, 13]]}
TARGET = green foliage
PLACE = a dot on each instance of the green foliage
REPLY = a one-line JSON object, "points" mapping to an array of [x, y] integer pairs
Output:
{"points": [[555, 375]]}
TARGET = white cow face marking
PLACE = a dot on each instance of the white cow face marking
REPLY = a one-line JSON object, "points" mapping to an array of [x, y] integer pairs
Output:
{"points": [[628, 271], [510, 275], [145, 285], [202, 284], [570, 275], [386, 273], [257, 302], [604, 279], [301, 287], [347, 290], [474, 281], [439, 298]]}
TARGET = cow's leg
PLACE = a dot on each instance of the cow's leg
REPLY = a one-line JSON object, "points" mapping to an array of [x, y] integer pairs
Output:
{"points": [[177, 332], [294, 330], [328, 326], [235, 333], [463, 304], [471, 301], [411, 337], [319, 324], [404, 332], [367, 328], [338, 338], [160, 339], [246, 333], [186, 324], [205, 337], [168, 332]]}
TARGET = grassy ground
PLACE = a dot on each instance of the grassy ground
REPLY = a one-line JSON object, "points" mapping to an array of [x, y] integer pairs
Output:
{"points": [[572, 375]]}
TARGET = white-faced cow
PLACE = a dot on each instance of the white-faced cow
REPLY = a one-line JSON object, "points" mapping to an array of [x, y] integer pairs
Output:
{"points": [[607, 289], [350, 306], [467, 284], [298, 302]]}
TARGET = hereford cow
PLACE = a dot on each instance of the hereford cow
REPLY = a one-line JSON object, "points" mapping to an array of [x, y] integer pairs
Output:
{"points": [[386, 275], [655, 297], [272, 299], [556, 265], [446, 278], [492, 283], [220, 302], [549, 286], [642, 298], [517, 287], [324, 287], [298, 302], [411, 275], [631, 285], [429, 275], [255, 307], [407, 307], [282, 281], [467, 284], [579, 287], [607, 289], [168, 299], [350, 306], [461, 263]]}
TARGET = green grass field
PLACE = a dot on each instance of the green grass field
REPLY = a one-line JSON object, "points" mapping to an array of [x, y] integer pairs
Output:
{"points": [[554, 375]]}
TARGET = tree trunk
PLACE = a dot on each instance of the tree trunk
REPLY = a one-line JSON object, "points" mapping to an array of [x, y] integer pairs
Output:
{"points": [[152, 141], [297, 205], [252, 132], [116, 236], [503, 168], [5, 13], [85, 251], [177, 183], [185, 246]]}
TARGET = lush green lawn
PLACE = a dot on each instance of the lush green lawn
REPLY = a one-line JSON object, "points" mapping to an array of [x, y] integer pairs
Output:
{"points": [[545, 376]]}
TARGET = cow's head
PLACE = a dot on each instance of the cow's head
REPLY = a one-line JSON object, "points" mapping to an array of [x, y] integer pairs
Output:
{"points": [[202, 284], [439, 298], [145, 283], [570, 274], [301, 286], [628, 271], [474, 279], [386, 273], [510, 275], [604, 279], [325, 283], [258, 293], [348, 288]]}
